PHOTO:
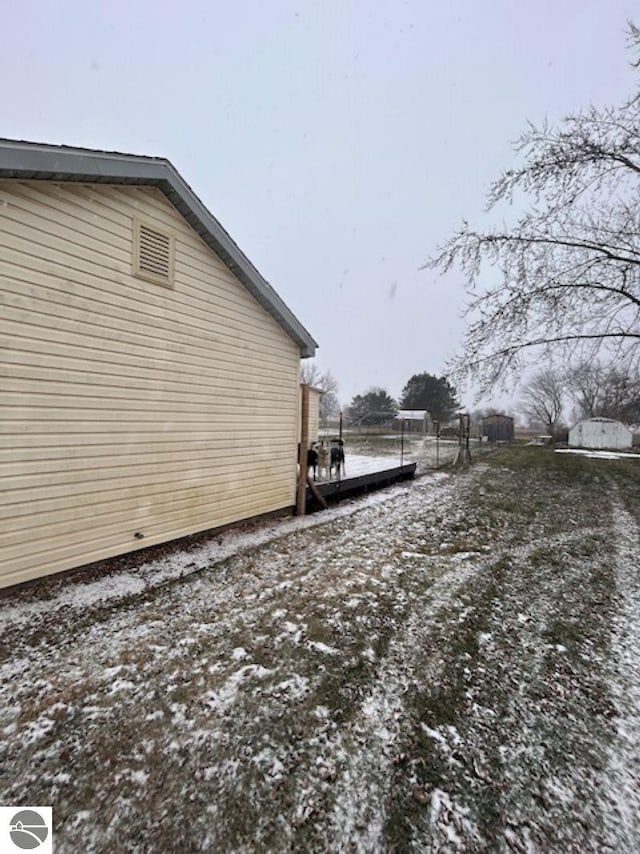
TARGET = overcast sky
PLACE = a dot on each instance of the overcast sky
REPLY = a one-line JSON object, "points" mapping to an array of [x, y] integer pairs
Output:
{"points": [[338, 142]]}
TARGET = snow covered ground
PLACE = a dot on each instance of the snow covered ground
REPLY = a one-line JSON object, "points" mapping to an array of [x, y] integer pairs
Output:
{"points": [[599, 455], [448, 665], [360, 464], [365, 453]]}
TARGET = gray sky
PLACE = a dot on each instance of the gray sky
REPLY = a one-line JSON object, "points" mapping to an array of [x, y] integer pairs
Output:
{"points": [[338, 142]]}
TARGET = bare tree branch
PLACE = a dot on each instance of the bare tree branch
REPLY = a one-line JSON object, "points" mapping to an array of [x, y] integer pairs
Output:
{"points": [[566, 275]]}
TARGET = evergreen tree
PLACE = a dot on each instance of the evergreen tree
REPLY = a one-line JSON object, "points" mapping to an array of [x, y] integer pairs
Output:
{"points": [[435, 394], [375, 406]]}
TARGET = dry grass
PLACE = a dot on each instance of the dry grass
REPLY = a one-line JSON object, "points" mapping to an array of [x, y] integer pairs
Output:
{"points": [[434, 669]]}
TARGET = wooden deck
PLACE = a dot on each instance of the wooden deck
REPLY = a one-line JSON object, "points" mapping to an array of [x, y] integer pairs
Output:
{"points": [[347, 487]]}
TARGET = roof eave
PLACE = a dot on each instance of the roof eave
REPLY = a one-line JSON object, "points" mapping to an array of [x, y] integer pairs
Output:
{"points": [[34, 161]]}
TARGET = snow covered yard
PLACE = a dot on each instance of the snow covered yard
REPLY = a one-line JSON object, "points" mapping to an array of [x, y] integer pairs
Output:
{"points": [[384, 450], [451, 665]]}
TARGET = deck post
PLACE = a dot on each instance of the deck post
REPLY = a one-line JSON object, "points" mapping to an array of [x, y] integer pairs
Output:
{"points": [[301, 492], [316, 493]]}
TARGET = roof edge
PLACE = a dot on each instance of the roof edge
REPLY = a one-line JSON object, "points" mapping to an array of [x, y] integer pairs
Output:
{"points": [[25, 160]]}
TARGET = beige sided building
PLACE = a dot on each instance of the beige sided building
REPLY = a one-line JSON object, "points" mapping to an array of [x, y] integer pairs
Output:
{"points": [[149, 374], [314, 413]]}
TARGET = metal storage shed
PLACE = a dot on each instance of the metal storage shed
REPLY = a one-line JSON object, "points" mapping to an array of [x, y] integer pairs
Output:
{"points": [[600, 433], [498, 428]]}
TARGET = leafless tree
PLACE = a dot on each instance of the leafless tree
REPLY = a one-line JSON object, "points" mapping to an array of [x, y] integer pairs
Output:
{"points": [[568, 270], [613, 392], [312, 374], [584, 385], [543, 399]]}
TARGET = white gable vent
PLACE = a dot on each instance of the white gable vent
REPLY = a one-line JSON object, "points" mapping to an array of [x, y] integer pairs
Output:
{"points": [[152, 254]]}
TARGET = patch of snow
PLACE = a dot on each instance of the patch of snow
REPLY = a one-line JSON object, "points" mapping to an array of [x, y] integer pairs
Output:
{"points": [[122, 685], [450, 821], [155, 716], [322, 713], [295, 686], [110, 672], [269, 763], [598, 455], [37, 730], [434, 734], [318, 646], [239, 653], [220, 699], [292, 628]]}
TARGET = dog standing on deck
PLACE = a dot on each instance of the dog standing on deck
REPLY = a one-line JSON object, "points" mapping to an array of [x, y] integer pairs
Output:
{"points": [[312, 459], [324, 462], [337, 457]]}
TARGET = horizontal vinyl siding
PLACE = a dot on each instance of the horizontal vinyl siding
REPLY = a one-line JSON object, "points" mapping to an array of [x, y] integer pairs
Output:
{"points": [[314, 415], [128, 406]]}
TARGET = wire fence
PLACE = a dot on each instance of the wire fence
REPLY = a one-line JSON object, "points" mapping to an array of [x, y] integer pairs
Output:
{"points": [[397, 448]]}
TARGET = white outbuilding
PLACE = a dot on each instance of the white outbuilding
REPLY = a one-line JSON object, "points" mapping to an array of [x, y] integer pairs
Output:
{"points": [[415, 420], [600, 433]]}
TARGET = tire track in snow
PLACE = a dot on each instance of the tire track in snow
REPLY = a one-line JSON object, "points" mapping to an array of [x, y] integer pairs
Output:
{"points": [[371, 741], [361, 791], [623, 784]]}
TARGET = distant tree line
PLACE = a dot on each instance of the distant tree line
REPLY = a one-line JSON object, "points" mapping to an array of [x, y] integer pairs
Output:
{"points": [[552, 396], [422, 391]]}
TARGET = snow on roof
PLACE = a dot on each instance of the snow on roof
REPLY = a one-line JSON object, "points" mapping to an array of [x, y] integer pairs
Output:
{"points": [[413, 414], [599, 419]]}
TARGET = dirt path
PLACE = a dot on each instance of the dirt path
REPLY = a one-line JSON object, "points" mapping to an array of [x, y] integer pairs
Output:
{"points": [[448, 666]]}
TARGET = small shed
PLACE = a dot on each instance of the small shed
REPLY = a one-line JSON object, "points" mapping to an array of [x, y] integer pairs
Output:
{"points": [[498, 428], [600, 433], [415, 420]]}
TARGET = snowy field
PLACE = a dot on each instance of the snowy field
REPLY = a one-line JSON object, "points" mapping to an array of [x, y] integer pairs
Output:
{"points": [[448, 665]]}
